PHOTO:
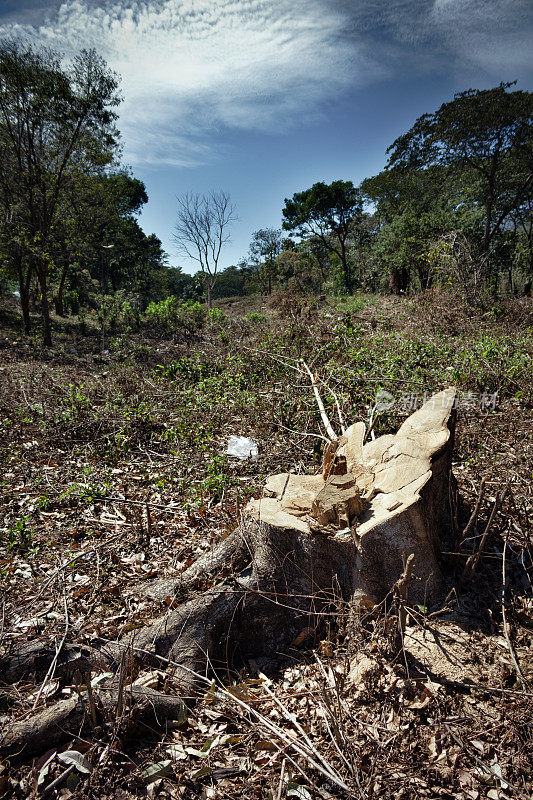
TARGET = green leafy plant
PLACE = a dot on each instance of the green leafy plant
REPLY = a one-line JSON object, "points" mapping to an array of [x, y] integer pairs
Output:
{"points": [[19, 536], [255, 317], [216, 316]]}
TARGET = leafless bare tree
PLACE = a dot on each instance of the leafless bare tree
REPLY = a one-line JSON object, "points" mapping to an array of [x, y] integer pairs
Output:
{"points": [[202, 230]]}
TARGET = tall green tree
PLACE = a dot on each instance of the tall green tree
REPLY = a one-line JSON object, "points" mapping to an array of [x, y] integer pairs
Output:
{"points": [[265, 247], [330, 213], [104, 208], [421, 190], [54, 121], [93, 212], [486, 133], [232, 282]]}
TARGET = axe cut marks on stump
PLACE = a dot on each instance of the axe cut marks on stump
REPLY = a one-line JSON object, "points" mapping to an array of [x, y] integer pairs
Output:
{"points": [[309, 542], [406, 480]]}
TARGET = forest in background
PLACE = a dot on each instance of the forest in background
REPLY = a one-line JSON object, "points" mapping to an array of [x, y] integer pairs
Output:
{"points": [[452, 208]]}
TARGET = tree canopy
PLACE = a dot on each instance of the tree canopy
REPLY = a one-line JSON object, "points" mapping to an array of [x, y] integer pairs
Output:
{"points": [[57, 124], [329, 212], [486, 133]]}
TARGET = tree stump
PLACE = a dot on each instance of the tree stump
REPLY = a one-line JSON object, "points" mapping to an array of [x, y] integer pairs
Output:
{"points": [[393, 500]]}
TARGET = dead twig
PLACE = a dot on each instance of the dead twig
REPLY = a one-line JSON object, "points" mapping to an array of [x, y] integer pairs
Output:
{"points": [[281, 778], [401, 590], [50, 674], [3, 621], [90, 697], [512, 652], [337, 406], [148, 523], [121, 683], [471, 522], [473, 561], [488, 770], [325, 419], [370, 430], [70, 561], [58, 781], [337, 737]]}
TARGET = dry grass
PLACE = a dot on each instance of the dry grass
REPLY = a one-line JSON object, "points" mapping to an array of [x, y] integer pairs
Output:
{"points": [[114, 472]]}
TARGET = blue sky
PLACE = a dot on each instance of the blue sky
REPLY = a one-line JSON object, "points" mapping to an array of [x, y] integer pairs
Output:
{"points": [[261, 98]]}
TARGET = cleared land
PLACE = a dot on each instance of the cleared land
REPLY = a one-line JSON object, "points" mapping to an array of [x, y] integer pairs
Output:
{"points": [[115, 474]]}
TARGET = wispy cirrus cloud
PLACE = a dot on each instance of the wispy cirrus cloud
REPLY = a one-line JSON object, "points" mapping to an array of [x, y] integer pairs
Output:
{"points": [[191, 66], [495, 35]]}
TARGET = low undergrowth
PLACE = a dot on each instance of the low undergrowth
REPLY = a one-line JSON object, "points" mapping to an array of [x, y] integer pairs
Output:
{"points": [[115, 471]]}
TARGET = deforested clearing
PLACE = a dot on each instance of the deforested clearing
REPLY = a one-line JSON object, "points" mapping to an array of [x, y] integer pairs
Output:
{"points": [[160, 637]]}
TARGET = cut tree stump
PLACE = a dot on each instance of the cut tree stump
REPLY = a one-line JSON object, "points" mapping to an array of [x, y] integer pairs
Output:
{"points": [[311, 542], [405, 480]]}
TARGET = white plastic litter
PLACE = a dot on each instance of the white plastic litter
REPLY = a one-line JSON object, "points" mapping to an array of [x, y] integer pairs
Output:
{"points": [[241, 447]]}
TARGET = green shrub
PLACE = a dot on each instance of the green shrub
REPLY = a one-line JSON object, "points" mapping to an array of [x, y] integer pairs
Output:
{"points": [[216, 316], [19, 537], [170, 314], [72, 301], [163, 313], [109, 310], [256, 318], [131, 314], [193, 313]]}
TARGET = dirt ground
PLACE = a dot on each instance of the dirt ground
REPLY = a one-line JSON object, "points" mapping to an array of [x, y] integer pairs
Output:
{"points": [[114, 473]]}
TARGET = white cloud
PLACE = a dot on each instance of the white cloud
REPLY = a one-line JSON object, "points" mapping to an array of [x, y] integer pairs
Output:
{"points": [[191, 66], [493, 34]]}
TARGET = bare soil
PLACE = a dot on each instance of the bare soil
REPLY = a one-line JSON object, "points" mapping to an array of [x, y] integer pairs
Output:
{"points": [[114, 474]]}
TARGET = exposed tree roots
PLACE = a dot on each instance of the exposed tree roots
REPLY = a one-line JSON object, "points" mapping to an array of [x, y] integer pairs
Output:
{"points": [[73, 718], [292, 579]]}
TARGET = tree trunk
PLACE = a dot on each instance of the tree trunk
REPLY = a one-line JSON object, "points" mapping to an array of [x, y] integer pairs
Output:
{"points": [[399, 280], [486, 233], [311, 545], [487, 237], [45, 307], [103, 274], [24, 281], [58, 299], [25, 306], [423, 276], [58, 305], [348, 283]]}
